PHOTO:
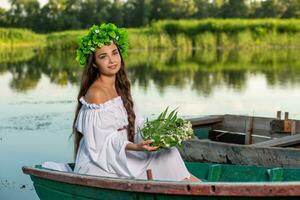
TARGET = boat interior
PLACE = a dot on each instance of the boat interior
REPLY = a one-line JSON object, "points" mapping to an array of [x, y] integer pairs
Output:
{"points": [[238, 129]]}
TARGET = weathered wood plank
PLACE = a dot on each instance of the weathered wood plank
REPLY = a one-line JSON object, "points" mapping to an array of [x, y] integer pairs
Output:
{"points": [[217, 152], [149, 174], [269, 127], [249, 131], [206, 120], [294, 128], [238, 123], [280, 142], [277, 125], [265, 125], [278, 116]]}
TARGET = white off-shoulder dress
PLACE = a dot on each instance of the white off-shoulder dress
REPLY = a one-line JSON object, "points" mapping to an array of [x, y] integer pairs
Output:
{"points": [[102, 148]]}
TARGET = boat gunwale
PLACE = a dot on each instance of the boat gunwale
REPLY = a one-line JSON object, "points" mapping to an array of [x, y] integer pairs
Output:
{"points": [[239, 145], [225, 154], [219, 118], [246, 189], [257, 117]]}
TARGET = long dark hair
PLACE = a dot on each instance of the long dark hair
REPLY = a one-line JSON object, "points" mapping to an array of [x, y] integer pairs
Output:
{"points": [[122, 84]]}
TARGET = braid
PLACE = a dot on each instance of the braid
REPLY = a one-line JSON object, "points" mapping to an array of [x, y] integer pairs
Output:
{"points": [[123, 89]]}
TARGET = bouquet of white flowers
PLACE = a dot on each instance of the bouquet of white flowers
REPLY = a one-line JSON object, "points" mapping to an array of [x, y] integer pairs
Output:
{"points": [[167, 130]]}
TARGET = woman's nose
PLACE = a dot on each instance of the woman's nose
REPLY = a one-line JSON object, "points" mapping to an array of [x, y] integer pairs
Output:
{"points": [[111, 60]]}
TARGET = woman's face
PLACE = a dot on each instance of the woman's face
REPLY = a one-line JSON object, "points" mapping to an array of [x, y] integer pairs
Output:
{"points": [[108, 59]]}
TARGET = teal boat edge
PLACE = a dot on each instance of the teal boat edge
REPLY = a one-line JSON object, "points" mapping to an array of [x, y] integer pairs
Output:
{"points": [[279, 183]]}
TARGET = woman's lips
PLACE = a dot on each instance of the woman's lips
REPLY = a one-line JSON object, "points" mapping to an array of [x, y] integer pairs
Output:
{"points": [[112, 66]]}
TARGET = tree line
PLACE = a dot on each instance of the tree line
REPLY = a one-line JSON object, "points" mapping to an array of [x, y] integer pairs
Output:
{"points": [[59, 15]]}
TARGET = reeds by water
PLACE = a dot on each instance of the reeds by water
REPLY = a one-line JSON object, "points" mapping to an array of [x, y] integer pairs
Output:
{"points": [[183, 34]]}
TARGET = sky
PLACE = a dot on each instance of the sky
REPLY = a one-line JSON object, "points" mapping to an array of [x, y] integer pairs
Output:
{"points": [[5, 4]]}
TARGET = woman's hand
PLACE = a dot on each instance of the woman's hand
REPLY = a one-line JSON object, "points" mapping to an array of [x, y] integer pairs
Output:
{"points": [[143, 146]]}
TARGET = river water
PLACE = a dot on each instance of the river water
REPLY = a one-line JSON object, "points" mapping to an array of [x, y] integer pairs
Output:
{"points": [[39, 89]]}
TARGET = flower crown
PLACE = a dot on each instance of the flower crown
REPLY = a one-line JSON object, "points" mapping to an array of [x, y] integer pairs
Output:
{"points": [[97, 37]]}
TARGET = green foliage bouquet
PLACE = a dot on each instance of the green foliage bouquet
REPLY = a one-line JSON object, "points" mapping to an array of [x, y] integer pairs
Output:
{"points": [[167, 130]]}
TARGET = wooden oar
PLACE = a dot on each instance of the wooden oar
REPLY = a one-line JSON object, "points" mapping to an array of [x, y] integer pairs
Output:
{"points": [[280, 142]]}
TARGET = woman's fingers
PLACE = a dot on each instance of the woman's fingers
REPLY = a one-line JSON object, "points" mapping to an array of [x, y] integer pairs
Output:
{"points": [[147, 142], [154, 148], [146, 146], [149, 148]]}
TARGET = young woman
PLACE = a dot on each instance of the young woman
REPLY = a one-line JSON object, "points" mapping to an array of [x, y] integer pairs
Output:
{"points": [[106, 124]]}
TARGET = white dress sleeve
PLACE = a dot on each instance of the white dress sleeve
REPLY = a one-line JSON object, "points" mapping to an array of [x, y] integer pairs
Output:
{"points": [[103, 144], [139, 123]]}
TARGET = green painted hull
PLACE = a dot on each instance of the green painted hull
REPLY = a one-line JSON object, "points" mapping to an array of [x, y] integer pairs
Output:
{"points": [[49, 190], [219, 182]]}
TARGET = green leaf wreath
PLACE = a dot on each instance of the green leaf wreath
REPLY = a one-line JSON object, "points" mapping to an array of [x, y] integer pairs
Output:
{"points": [[167, 130], [97, 37]]}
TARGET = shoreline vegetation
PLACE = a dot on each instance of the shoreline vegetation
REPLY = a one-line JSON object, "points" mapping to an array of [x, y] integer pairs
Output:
{"points": [[202, 70], [208, 34]]}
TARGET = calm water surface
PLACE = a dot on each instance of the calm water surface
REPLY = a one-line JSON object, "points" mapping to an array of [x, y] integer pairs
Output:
{"points": [[39, 89]]}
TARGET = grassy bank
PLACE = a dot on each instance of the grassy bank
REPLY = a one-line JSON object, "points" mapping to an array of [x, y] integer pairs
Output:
{"points": [[203, 34], [64, 40], [228, 33], [184, 34], [14, 38], [230, 26]]}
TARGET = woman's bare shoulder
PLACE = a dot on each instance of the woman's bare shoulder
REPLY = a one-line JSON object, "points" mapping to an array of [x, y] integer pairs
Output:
{"points": [[95, 95]]}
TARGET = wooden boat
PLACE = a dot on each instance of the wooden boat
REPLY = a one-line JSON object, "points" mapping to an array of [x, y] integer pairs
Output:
{"points": [[244, 140], [239, 129], [220, 181], [218, 152]]}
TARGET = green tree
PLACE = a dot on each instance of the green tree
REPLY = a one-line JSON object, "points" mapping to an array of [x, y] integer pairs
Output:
{"points": [[270, 8], [51, 15], [234, 9], [3, 18], [59, 15], [204, 9], [93, 12], [115, 11], [292, 8], [69, 15], [23, 13], [173, 9], [137, 12]]}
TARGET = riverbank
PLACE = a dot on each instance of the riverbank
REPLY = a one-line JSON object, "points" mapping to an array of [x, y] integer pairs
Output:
{"points": [[171, 34]]}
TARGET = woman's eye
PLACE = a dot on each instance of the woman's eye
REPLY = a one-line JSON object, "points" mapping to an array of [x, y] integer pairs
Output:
{"points": [[115, 53], [101, 57]]}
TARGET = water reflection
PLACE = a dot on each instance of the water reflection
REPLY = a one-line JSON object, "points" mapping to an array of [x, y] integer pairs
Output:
{"points": [[37, 120], [202, 70]]}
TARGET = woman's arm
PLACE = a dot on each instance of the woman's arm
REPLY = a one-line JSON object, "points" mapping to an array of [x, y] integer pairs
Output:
{"points": [[143, 146]]}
